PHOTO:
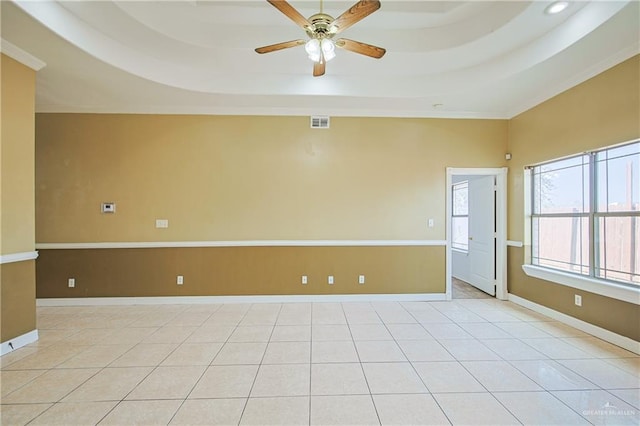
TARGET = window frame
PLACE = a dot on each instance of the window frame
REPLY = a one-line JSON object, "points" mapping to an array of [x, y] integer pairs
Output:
{"points": [[580, 215], [455, 247], [626, 291]]}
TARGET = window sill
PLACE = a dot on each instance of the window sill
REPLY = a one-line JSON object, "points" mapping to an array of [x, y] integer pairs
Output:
{"points": [[603, 288]]}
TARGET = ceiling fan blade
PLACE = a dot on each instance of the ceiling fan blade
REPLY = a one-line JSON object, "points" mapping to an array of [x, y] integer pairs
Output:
{"points": [[291, 12], [319, 67], [361, 48], [280, 46], [357, 12]]}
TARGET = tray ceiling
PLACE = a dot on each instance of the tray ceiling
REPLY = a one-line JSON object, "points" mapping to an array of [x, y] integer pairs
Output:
{"points": [[444, 58]]}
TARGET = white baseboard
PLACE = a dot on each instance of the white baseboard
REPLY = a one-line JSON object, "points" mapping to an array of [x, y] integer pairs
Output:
{"points": [[609, 336], [177, 300], [18, 342]]}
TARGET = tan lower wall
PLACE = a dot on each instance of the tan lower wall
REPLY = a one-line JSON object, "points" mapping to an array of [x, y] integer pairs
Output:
{"points": [[216, 271], [18, 295], [614, 315]]}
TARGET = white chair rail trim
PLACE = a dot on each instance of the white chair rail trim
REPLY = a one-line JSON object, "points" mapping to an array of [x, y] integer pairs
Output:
{"points": [[241, 243], [18, 257]]}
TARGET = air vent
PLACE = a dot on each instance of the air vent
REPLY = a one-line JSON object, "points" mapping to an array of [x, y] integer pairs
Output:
{"points": [[319, 121]]}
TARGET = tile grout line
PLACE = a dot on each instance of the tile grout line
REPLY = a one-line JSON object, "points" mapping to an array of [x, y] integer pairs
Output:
{"points": [[366, 380], [310, 362], [203, 372], [411, 362], [260, 364]]}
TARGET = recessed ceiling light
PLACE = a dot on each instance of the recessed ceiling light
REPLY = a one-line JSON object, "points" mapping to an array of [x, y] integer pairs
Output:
{"points": [[556, 7]]}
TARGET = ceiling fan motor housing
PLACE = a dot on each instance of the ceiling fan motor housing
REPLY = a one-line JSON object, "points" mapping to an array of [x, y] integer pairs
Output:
{"points": [[321, 26]]}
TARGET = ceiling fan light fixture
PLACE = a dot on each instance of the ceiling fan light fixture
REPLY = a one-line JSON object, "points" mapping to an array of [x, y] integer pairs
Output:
{"points": [[328, 49], [314, 46]]}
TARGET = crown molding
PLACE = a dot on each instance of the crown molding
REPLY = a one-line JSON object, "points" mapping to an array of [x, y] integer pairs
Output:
{"points": [[21, 56]]}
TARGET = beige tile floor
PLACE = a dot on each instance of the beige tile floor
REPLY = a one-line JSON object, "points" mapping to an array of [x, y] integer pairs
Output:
{"points": [[469, 361]]}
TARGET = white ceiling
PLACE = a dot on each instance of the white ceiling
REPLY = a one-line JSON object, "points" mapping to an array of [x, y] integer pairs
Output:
{"points": [[444, 59]]}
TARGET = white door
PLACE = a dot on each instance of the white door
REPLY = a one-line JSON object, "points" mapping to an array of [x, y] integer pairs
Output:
{"points": [[482, 248]]}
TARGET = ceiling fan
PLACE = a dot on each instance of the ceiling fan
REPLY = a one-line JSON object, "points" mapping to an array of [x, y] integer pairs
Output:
{"points": [[321, 28]]}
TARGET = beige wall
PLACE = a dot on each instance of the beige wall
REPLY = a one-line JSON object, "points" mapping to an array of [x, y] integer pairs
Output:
{"points": [[17, 229], [18, 212], [602, 111], [250, 178]]}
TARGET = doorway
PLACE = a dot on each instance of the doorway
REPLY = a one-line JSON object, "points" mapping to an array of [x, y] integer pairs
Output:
{"points": [[484, 254]]}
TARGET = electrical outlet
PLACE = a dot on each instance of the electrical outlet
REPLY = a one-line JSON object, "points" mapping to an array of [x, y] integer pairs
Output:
{"points": [[304, 280], [430, 223], [72, 282], [578, 300], [162, 223], [108, 207], [330, 279], [361, 279], [180, 280]]}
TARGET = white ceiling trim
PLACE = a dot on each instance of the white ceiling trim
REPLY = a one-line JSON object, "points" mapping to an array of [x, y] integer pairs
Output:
{"points": [[271, 111], [452, 60], [21, 56]]}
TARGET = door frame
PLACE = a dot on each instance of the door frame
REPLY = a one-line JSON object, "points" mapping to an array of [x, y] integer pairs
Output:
{"points": [[501, 225]]}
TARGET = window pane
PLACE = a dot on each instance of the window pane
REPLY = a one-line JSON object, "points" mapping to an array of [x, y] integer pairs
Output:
{"points": [[619, 179], [460, 233], [562, 187], [621, 151], [618, 253], [461, 199], [563, 164], [561, 243]]}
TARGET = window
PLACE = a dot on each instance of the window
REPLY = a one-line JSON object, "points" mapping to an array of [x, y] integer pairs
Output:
{"points": [[586, 214], [460, 216]]}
